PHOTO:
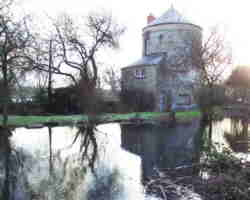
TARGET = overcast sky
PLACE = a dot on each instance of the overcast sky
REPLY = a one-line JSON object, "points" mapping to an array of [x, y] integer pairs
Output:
{"points": [[233, 16]]}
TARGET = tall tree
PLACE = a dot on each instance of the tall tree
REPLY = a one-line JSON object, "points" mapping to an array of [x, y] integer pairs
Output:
{"points": [[74, 50], [239, 84], [14, 39], [212, 60], [112, 77], [45, 62], [82, 46]]}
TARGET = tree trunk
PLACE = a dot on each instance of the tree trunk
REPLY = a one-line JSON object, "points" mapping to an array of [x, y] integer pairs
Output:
{"points": [[50, 78], [50, 152], [210, 131], [5, 95]]}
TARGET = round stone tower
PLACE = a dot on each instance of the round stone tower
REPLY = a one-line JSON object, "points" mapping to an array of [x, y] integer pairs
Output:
{"points": [[173, 36], [169, 33], [166, 68]]}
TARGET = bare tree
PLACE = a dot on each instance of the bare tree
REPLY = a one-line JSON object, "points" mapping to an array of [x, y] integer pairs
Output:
{"points": [[112, 78], [14, 39], [45, 57], [73, 50], [81, 49], [239, 84], [45, 61], [5, 5], [212, 60], [82, 45]]}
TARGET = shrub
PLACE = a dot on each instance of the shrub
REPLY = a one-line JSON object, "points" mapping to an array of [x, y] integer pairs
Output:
{"points": [[207, 98], [229, 177], [137, 100]]}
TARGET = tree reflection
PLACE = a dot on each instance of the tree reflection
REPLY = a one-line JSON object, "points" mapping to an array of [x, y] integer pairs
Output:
{"points": [[5, 157], [88, 144], [160, 146], [50, 151], [10, 163], [238, 137]]}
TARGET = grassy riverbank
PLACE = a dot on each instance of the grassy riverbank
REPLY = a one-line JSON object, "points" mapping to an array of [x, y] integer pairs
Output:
{"points": [[107, 117]]}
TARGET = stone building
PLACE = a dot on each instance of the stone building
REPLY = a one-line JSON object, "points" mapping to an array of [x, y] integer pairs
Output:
{"points": [[166, 68]]}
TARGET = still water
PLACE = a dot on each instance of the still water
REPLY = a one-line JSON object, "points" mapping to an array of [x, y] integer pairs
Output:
{"points": [[233, 134], [118, 170], [46, 165]]}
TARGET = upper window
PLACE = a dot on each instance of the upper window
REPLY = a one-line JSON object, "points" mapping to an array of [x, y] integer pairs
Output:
{"points": [[146, 42], [140, 73], [161, 37]]}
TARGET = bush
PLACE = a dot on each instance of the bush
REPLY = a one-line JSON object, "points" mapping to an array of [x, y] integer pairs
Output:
{"points": [[229, 177], [229, 186], [137, 100], [207, 98]]}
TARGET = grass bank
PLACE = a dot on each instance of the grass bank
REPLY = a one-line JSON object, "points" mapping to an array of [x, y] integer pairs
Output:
{"points": [[15, 120]]}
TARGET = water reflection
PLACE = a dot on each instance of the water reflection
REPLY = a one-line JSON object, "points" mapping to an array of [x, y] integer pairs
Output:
{"points": [[53, 167], [11, 163], [5, 155], [160, 146], [238, 137], [233, 134], [49, 163]]}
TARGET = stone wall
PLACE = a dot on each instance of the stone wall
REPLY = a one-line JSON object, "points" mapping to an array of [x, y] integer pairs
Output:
{"points": [[176, 76], [174, 88], [129, 81], [168, 38]]}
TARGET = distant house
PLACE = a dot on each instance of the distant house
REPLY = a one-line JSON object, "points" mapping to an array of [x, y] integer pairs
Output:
{"points": [[166, 68]]}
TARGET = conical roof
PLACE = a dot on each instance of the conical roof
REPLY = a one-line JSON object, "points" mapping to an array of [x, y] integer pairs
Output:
{"points": [[170, 16]]}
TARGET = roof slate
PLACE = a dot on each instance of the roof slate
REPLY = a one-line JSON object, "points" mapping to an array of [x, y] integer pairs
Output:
{"points": [[170, 16], [148, 60]]}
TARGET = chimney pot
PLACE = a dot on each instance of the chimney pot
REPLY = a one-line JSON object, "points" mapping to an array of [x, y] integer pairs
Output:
{"points": [[150, 18]]}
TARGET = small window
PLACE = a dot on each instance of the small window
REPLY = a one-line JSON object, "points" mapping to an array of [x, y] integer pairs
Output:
{"points": [[140, 73], [146, 42], [161, 37], [185, 99]]}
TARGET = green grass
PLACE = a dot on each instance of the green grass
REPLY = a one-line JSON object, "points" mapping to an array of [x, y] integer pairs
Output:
{"points": [[188, 114], [29, 120], [108, 117], [127, 116]]}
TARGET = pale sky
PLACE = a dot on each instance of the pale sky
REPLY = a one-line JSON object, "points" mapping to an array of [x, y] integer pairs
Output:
{"points": [[233, 16]]}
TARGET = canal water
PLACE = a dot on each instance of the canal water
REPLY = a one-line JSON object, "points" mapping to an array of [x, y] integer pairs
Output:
{"points": [[52, 167], [46, 163], [233, 134]]}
